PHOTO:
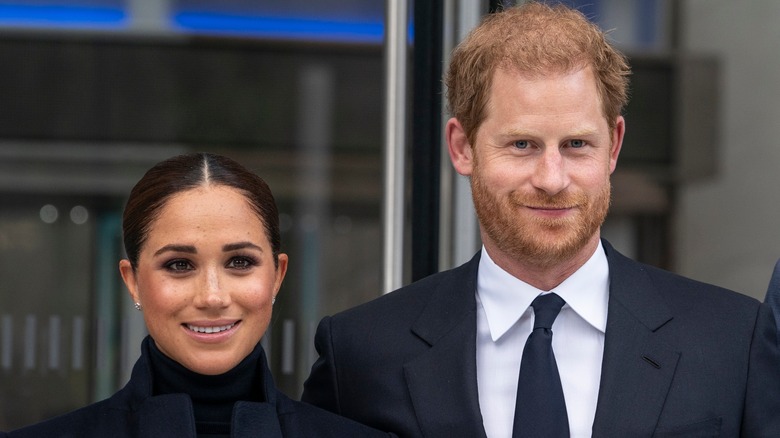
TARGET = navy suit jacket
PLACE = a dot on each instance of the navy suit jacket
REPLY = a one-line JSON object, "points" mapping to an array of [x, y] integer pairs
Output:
{"points": [[773, 296], [681, 358], [135, 412]]}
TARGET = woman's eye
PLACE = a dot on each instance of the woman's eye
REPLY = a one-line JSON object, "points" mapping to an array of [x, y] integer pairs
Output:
{"points": [[240, 263], [179, 265], [577, 143], [522, 144]]}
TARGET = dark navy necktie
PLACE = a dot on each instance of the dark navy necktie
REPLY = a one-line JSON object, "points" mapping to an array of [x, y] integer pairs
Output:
{"points": [[540, 410]]}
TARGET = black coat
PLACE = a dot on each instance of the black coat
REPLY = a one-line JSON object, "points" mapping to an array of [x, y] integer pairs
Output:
{"points": [[135, 412], [681, 358]]}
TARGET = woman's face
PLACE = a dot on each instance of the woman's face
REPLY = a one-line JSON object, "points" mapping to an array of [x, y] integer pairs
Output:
{"points": [[206, 279]]}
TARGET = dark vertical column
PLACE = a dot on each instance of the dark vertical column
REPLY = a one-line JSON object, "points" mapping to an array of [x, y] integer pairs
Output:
{"points": [[500, 5], [426, 135]]}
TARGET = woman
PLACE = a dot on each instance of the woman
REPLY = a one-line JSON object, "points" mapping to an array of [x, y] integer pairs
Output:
{"points": [[204, 266]]}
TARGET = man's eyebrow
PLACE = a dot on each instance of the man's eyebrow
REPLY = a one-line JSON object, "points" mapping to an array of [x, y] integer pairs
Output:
{"points": [[176, 248], [240, 245], [517, 133], [585, 132]]}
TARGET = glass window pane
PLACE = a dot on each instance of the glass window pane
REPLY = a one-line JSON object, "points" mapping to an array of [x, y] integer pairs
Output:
{"points": [[85, 116]]}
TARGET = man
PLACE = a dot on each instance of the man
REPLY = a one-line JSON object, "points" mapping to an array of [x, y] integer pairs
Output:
{"points": [[773, 296], [537, 93]]}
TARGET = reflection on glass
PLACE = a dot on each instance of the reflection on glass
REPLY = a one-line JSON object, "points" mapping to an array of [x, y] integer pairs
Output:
{"points": [[86, 116]]}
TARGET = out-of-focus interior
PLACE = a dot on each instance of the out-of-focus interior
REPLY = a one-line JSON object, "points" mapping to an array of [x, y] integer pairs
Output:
{"points": [[94, 92]]}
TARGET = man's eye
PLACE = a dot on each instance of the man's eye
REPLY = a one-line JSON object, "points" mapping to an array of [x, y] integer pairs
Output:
{"points": [[577, 143], [522, 144]]}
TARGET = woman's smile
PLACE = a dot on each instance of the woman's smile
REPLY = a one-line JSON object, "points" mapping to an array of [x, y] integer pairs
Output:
{"points": [[210, 328]]}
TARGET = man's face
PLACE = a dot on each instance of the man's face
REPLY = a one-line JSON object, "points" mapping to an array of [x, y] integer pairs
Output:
{"points": [[540, 167]]}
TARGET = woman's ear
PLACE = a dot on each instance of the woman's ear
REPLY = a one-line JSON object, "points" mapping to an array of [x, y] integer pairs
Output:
{"points": [[281, 271], [128, 276]]}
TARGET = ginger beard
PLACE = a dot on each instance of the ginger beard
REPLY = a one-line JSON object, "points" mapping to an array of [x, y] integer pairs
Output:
{"points": [[534, 240]]}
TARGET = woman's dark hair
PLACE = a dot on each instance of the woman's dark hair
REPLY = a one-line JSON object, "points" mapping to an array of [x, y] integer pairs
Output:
{"points": [[186, 172]]}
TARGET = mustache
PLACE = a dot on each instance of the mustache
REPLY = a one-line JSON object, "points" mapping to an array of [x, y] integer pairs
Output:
{"points": [[543, 200]]}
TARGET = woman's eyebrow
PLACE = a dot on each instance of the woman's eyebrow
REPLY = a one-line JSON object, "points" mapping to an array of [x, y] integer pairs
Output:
{"points": [[177, 248], [240, 245]]}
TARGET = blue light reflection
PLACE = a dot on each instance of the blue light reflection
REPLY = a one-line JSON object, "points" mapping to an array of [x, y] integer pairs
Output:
{"points": [[62, 16], [281, 27], [367, 30]]}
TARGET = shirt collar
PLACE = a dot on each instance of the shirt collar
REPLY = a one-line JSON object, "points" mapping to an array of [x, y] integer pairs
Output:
{"points": [[506, 298]]}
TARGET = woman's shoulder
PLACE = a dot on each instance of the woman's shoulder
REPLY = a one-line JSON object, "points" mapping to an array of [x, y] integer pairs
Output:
{"points": [[302, 419], [83, 422]]}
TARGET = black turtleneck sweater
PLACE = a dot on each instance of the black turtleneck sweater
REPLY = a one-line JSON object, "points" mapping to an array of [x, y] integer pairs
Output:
{"points": [[212, 397]]}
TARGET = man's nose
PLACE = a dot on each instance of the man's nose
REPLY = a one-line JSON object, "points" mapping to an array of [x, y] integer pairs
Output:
{"points": [[550, 173]]}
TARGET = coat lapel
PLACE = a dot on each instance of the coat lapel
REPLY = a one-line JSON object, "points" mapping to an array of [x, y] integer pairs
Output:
{"points": [[166, 416], [155, 416], [171, 415], [442, 382], [256, 419], [637, 369]]}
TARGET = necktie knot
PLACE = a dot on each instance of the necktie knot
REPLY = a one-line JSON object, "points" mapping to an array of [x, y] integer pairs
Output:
{"points": [[546, 309]]}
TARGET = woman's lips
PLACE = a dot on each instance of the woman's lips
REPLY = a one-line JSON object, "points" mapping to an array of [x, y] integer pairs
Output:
{"points": [[210, 328]]}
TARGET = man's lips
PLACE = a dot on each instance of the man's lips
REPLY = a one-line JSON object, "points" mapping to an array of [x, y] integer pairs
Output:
{"points": [[550, 212], [549, 208]]}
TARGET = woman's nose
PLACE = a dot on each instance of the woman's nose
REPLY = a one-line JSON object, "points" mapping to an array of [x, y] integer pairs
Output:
{"points": [[213, 293]]}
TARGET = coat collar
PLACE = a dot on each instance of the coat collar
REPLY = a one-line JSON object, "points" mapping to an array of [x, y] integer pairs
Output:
{"points": [[637, 368], [443, 380], [172, 415]]}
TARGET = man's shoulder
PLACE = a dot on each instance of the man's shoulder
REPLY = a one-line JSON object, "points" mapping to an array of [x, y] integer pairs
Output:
{"points": [[677, 290], [684, 292], [444, 291], [412, 298]]}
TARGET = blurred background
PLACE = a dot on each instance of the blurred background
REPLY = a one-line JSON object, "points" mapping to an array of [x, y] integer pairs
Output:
{"points": [[311, 95]]}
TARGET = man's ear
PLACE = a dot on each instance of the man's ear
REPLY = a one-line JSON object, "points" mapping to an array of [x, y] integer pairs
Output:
{"points": [[617, 142], [460, 149]]}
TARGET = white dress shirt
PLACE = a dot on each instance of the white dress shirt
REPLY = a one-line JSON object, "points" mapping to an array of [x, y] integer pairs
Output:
{"points": [[504, 322]]}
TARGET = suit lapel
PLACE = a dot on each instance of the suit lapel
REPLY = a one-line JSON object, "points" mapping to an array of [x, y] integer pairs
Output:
{"points": [[637, 369], [442, 382]]}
